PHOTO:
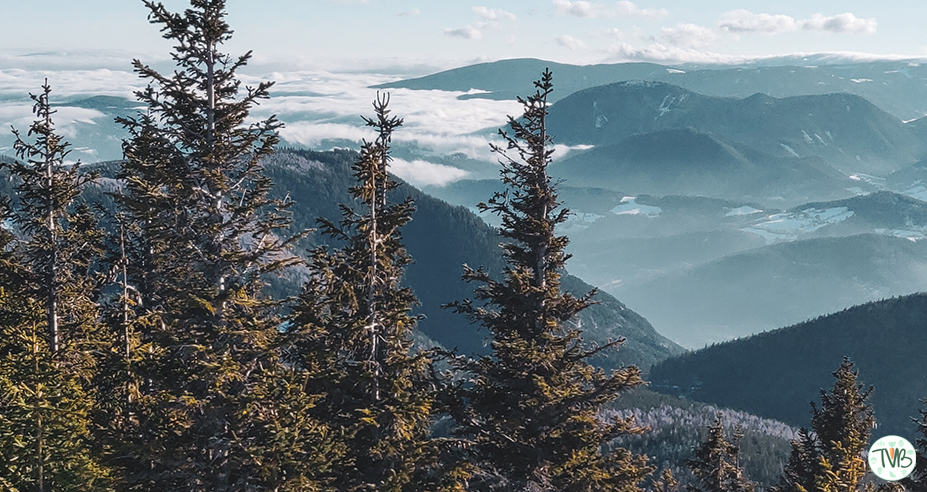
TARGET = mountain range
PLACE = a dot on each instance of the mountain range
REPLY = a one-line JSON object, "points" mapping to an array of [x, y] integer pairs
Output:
{"points": [[895, 86], [441, 238], [777, 373]]}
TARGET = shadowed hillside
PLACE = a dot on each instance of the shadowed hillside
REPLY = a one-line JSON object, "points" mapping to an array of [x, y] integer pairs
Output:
{"points": [[775, 374]]}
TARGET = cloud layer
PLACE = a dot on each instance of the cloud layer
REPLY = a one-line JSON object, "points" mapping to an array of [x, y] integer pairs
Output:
{"points": [[586, 9], [744, 21], [489, 19], [688, 35], [570, 42], [420, 172]]}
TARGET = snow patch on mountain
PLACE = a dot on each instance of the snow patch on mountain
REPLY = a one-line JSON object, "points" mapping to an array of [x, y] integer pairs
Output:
{"points": [[790, 150], [578, 221], [741, 211], [629, 206], [917, 190], [876, 181], [789, 226], [910, 235]]}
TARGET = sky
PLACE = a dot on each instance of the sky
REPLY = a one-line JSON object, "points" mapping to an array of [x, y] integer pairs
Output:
{"points": [[427, 34], [324, 56]]}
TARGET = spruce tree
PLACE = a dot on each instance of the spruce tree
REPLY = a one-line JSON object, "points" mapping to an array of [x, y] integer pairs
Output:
{"points": [[48, 319], [830, 459], [666, 483], [917, 481], [529, 409], [715, 463], [352, 333], [207, 234]]}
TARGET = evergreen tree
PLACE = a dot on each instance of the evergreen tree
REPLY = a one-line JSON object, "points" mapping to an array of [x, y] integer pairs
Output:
{"points": [[917, 481], [352, 333], [207, 233], [64, 239], [530, 408], [666, 483], [47, 318], [715, 463], [830, 459]]}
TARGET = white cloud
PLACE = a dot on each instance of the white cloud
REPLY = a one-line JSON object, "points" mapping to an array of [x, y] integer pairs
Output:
{"points": [[409, 13], [66, 118], [842, 23], [312, 134], [745, 21], [420, 172], [629, 8], [570, 42], [493, 14], [465, 32], [490, 19], [325, 105], [615, 33], [561, 151], [582, 8], [688, 35], [657, 52], [66, 83]]}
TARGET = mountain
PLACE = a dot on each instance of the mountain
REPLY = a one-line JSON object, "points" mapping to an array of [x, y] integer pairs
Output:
{"points": [[776, 285], [442, 238], [688, 162], [507, 79], [895, 86], [846, 131], [883, 212], [678, 425], [775, 374]]}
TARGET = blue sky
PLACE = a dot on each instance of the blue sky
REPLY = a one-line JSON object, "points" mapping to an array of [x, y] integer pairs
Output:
{"points": [[364, 34]]}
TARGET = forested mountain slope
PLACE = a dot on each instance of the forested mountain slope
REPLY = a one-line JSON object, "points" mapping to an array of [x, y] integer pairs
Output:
{"points": [[441, 238], [775, 374]]}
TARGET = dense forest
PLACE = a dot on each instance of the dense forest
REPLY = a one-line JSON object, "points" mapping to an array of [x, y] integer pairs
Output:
{"points": [[151, 337]]}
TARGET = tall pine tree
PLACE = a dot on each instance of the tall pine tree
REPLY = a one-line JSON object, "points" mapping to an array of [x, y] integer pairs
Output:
{"points": [[530, 408], [715, 463], [352, 331], [48, 318], [208, 233], [830, 459]]}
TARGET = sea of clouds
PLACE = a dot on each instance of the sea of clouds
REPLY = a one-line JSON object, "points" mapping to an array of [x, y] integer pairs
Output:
{"points": [[320, 109]]}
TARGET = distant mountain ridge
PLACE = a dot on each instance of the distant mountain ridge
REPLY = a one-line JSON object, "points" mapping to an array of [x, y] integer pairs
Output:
{"points": [[442, 238], [848, 132], [893, 85], [776, 285], [775, 374], [688, 162]]}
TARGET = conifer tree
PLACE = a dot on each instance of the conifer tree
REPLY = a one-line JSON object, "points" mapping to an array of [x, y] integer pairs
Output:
{"points": [[352, 333], [830, 459], [917, 481], [530, 408], [63, 239], [47, 318], [208, 232], [715, 463], [666, 483]]}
